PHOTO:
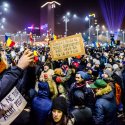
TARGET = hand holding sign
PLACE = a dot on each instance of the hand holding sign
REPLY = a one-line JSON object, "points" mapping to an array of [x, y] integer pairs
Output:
{"points": [[26, 59]]}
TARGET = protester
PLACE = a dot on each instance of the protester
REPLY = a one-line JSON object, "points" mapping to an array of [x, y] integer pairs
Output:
{"points": [[41, 105], [80, 84], [105, 106], [46, 76], [81, 114], [9, 80], [59, 112]]}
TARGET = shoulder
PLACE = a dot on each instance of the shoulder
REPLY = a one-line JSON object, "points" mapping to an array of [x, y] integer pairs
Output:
{"points": [[100, 102]]}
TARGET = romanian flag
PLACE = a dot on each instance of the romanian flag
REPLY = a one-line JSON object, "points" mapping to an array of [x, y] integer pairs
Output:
{"points": [[10, 42], [96, 44]]}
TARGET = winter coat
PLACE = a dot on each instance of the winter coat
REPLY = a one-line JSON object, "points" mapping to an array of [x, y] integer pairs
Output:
{"points": [[82, 115], [89, 95], [67, 79], [41, 105], [105, 110], [53, 88], [123, 76], [48, 74], [9, 80], [117, 76]]}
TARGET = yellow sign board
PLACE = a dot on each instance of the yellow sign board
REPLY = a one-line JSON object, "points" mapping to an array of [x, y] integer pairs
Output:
{"points": [[70, 46]]}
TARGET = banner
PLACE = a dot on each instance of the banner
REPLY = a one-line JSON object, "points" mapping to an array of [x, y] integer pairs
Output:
{"points": [[13, 104], [67, 47]]}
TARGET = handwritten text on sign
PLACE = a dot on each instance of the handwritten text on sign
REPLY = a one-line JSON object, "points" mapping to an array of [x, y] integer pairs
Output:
{"points": [[13, 104], [67, 47]]}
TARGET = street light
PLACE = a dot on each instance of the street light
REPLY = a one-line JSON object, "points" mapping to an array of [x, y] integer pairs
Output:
{"points": [[3, 20], [4, 6], [107, 35], [2, 27], [74, 16], [66, 20], [123, 35], [88, 18], [97, 29]]}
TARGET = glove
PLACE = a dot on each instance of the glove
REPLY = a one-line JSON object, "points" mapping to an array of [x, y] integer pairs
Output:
{"points": [[58, 80]]}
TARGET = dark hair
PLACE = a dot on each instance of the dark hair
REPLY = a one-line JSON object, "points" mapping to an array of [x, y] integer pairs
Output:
{"points": [[79, 98]]}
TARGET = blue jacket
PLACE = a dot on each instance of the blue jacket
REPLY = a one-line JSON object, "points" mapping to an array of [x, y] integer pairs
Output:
{"points": [[9, 80], [105, 110], [41, 105]]}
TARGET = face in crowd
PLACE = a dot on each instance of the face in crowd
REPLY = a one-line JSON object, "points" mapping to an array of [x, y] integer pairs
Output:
{"points": [[78, 78], [46, 68], [57, 115]]}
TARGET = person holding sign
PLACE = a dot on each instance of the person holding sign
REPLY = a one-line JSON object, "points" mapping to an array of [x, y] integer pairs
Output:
{"points": [[9, 80]]}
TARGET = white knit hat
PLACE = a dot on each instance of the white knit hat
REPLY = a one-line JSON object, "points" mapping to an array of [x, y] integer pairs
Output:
{"points": [[115, 66]]}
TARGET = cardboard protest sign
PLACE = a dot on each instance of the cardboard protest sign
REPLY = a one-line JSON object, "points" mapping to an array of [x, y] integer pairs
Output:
{"points": [[2, 66], [12, 104], [67, 47]]}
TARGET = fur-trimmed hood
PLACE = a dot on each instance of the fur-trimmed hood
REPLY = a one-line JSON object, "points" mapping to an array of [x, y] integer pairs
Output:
{"points": [[104, 91]]}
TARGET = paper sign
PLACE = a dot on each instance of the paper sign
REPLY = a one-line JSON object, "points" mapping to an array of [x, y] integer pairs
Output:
{"points": [[13, 104], [67, 47]]}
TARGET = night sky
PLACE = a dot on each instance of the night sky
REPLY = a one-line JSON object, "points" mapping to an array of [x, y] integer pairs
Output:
{"points": [[24, 13]]}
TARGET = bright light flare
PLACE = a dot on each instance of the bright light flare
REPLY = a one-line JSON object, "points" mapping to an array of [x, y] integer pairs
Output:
{"points": [[2, 27], [68, 14], [6, 5], [74, 16], [86, 18], [3, 20]]}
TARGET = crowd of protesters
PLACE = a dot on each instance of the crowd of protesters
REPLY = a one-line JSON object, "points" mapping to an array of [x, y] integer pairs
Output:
{"points": [[82, 90]]}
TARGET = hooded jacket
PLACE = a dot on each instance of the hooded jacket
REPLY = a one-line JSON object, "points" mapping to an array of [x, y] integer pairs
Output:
{"points": [[41, 105], [105, 110]]}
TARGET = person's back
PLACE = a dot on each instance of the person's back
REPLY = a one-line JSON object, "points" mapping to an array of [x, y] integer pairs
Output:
{"points": [[105, 107], [81, 114], [41, 105]]}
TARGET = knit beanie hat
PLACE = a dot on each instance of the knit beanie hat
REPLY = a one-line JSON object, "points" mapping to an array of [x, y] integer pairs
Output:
{"points": [[115, 66], [84, 75], [60, 103], [108, 72], [97, 62], [108, 65]]}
